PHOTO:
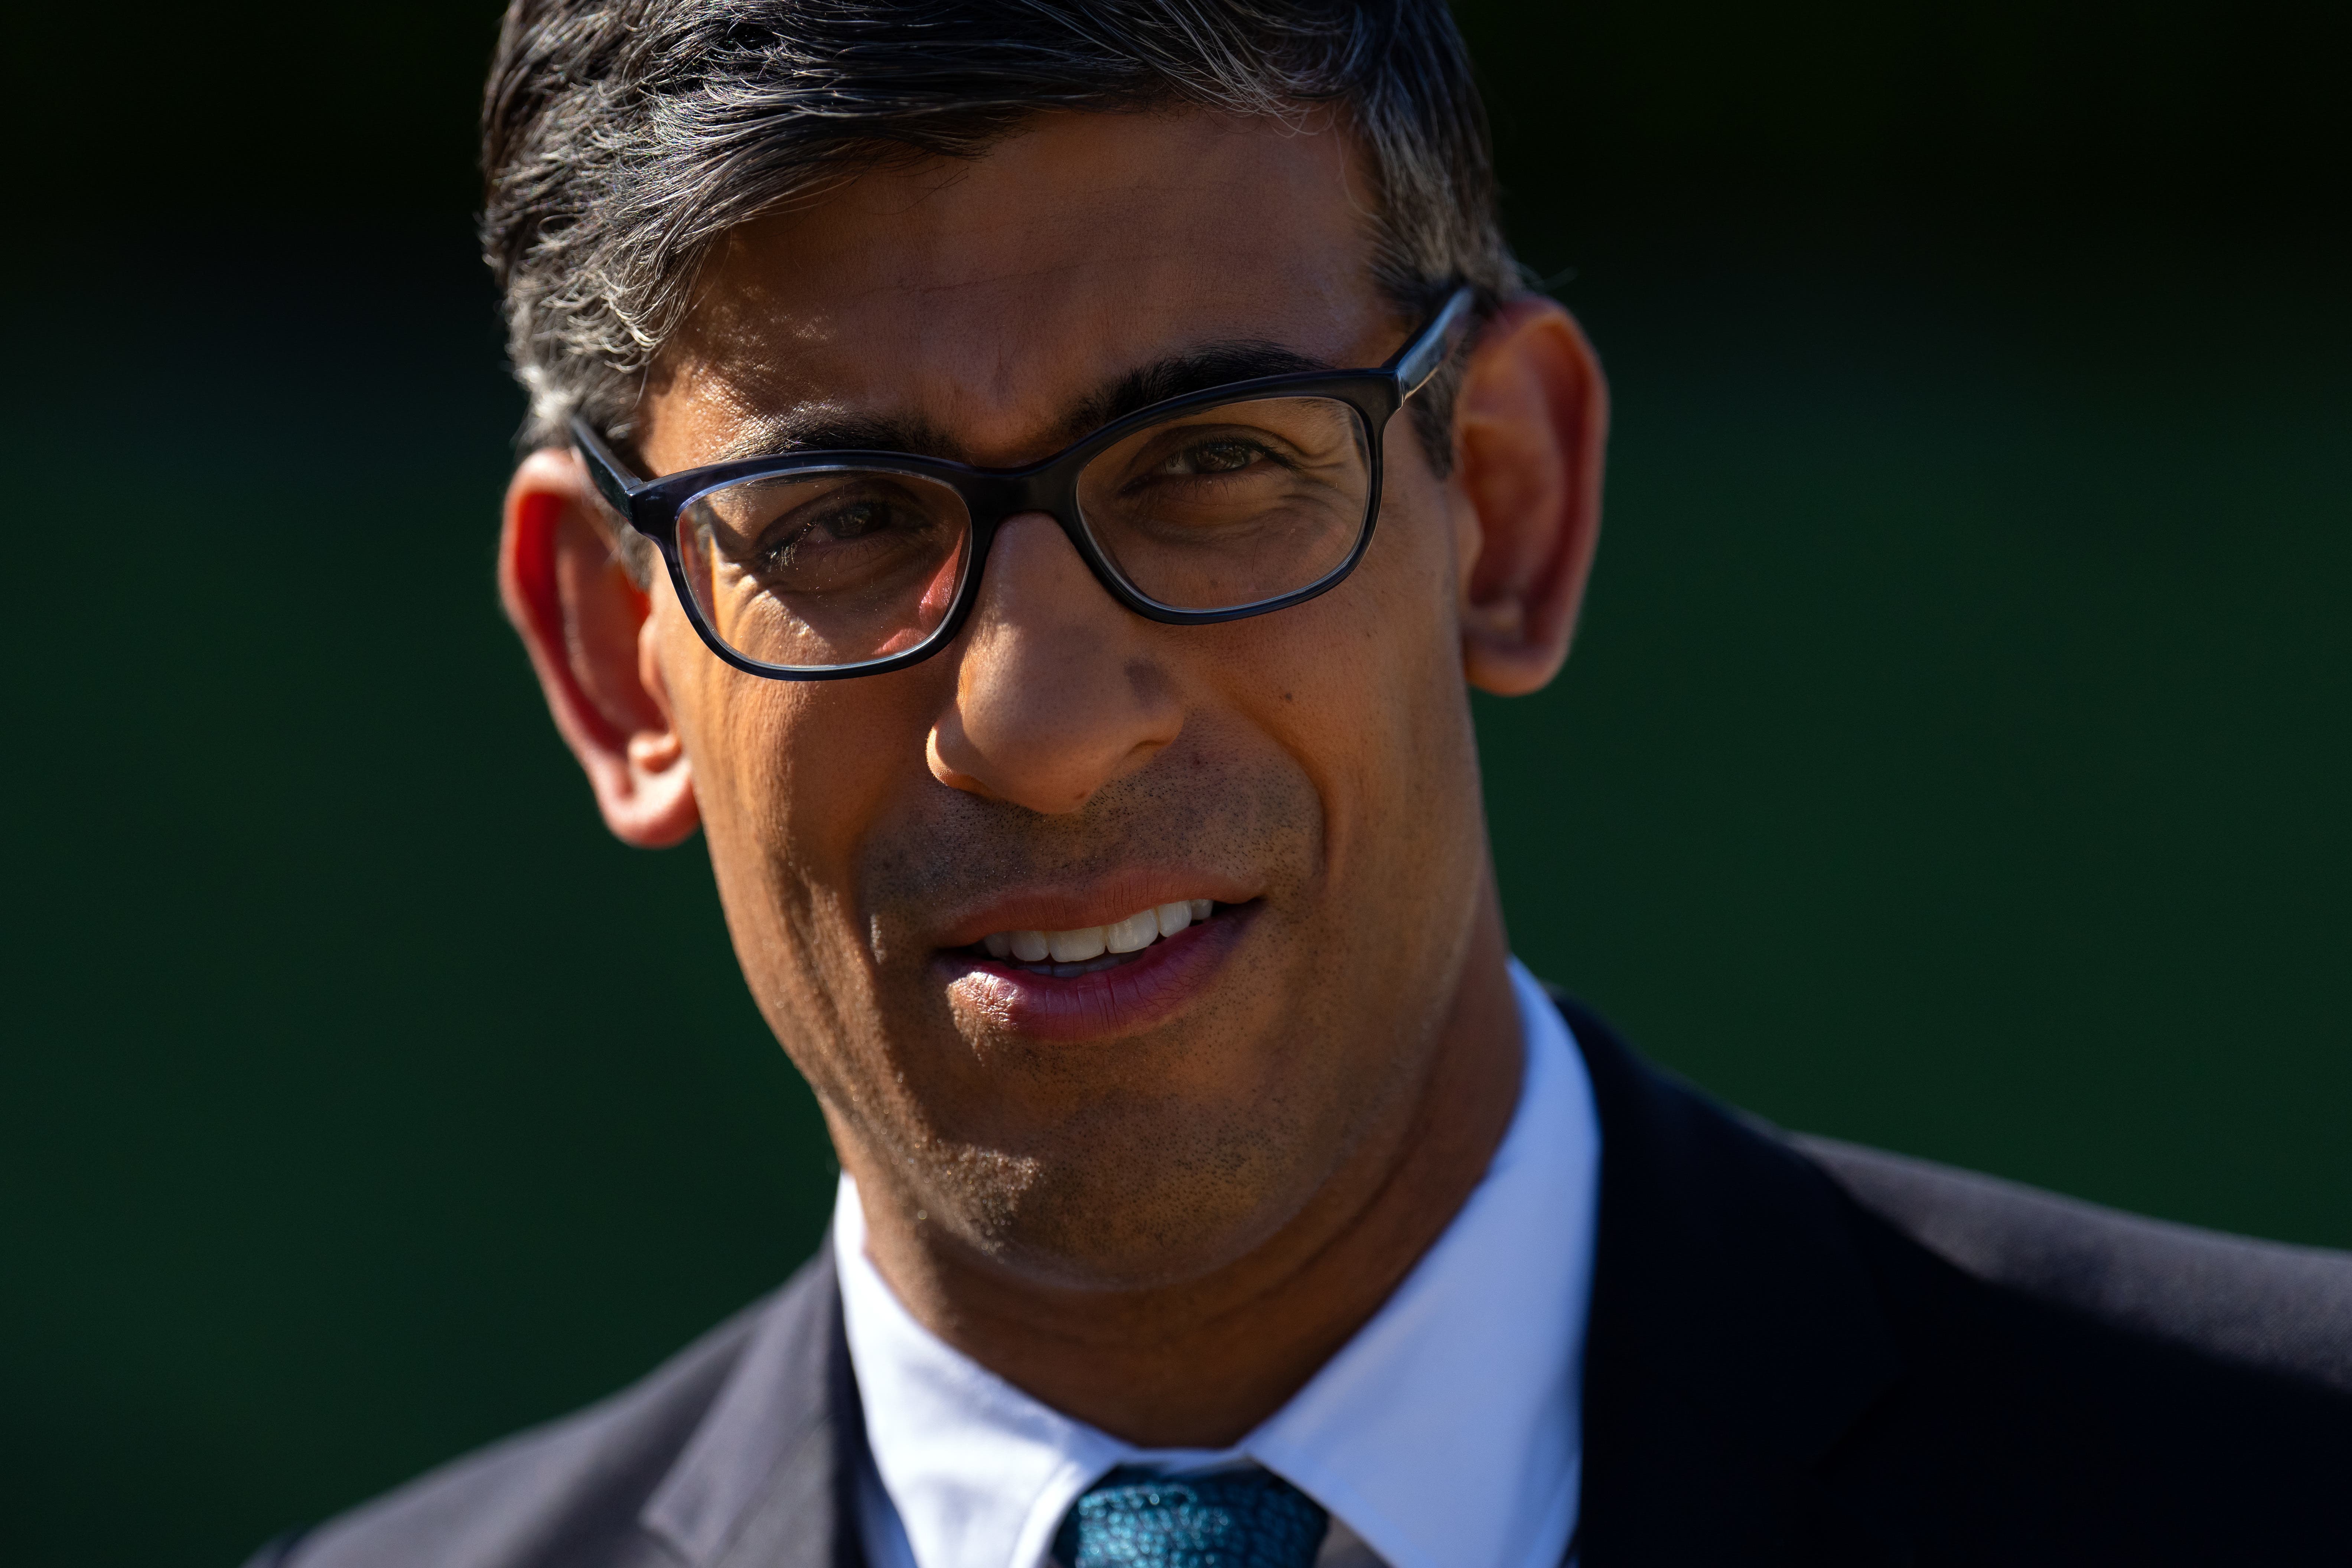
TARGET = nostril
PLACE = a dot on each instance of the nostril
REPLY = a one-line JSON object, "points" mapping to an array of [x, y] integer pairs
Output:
{"points": [[1058, 690], [1049, 747]]}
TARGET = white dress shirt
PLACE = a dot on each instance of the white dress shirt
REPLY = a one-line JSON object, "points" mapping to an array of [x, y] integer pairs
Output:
{"points": [[1446, 1434]]}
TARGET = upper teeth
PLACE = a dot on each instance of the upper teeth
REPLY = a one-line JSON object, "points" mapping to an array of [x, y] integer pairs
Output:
{"points": [[1135, 932]]}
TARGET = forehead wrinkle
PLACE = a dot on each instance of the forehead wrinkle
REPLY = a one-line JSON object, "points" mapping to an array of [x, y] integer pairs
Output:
{"points": [[989, 278]]}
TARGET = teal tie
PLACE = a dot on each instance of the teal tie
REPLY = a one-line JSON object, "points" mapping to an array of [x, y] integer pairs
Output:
{"points": [[1235, 1519]]}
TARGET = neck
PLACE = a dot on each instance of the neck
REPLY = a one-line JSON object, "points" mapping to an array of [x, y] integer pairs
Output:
{"points": [[1200, 1364]]}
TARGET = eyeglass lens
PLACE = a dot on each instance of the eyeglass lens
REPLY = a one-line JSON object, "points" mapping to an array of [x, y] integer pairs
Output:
{"points": [[1214, 509]]}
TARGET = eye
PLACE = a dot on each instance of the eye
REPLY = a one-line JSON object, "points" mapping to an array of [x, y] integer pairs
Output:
{"points": [[1223, 455], [848, 521], [855, 520]]}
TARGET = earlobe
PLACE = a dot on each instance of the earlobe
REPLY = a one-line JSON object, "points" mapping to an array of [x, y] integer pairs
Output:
{"points": [[1530, 424], [584, 622]]}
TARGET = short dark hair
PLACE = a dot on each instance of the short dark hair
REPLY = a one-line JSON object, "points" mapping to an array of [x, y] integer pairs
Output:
{"points": [[621, 138]]}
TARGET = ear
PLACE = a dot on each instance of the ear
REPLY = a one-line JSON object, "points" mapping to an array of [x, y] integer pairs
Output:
{"points": [[584, 621], [1529, 423]]}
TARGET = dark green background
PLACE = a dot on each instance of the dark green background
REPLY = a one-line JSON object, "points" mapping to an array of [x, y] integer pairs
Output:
{"points": [[1954, 757]]}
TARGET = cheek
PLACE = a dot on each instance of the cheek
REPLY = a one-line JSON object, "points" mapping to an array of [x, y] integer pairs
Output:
{"points": [[1377, 695], [796, 776], [1362, 689], [789, 777]]}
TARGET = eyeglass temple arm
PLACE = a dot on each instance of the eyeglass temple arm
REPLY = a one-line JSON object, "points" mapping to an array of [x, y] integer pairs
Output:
{"points": [[611, 476], [1435, 345]]}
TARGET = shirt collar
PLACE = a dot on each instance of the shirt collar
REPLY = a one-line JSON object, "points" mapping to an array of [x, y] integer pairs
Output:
{"points": [[1446, 1434]]}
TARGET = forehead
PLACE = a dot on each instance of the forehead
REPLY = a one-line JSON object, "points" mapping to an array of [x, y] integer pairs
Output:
{"points": [[990, 297]]}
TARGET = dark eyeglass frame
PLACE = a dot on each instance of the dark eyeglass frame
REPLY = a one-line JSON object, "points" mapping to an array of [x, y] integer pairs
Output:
{"points": [[653, 507]]}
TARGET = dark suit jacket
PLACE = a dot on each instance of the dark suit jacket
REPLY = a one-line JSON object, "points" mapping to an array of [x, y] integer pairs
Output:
{"points": [[1798, 1352]]}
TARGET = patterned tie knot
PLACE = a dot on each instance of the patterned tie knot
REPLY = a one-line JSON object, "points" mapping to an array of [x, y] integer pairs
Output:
{"points": [[1235, 1519]]}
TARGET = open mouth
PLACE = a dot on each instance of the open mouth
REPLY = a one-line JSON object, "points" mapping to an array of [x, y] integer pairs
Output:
{"points": [[1066, 955]]}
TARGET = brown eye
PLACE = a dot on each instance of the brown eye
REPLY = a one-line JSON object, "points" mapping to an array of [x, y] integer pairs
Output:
{"points": [[1212, 458], [856, 522], [845, 526]]}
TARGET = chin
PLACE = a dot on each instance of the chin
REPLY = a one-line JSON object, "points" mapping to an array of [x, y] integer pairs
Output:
{"points": [[1176, 1209]]}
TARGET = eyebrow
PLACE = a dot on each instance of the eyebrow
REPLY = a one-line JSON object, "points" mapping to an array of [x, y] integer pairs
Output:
{"points": [[1196, 369], [821, 429]]}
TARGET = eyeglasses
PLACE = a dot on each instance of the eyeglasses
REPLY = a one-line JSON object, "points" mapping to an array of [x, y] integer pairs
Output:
{"points": [[1233, 501]]}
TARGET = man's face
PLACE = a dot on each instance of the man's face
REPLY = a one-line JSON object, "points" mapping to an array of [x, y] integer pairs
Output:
{"points": [[1067, 765]]}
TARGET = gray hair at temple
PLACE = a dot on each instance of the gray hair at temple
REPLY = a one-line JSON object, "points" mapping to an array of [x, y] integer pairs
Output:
{"points": [[620, 139]]}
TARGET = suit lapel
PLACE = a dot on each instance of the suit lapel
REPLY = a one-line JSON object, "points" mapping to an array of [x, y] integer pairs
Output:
{"points": [[1735, 1334], [769, 1479]]}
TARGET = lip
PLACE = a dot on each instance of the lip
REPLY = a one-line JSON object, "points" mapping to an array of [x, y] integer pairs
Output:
{"points": [[1098, 904], [1149, 988]]}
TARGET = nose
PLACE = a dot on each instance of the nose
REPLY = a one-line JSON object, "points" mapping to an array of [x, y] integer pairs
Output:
{"points": [[1057, 689]]}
